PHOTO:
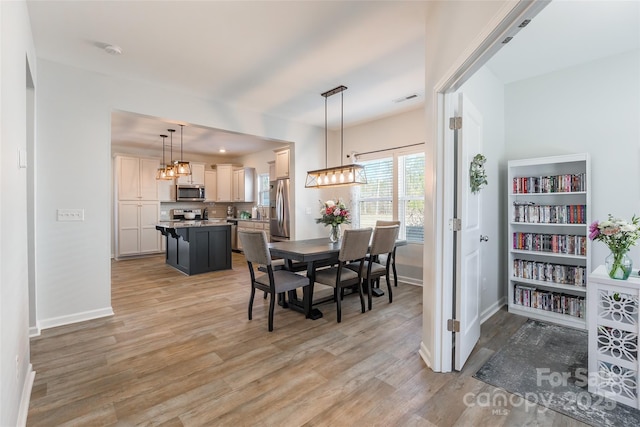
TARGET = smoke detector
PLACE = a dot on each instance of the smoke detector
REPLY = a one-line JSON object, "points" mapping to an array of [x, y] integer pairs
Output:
{"points": [[112, 49]]}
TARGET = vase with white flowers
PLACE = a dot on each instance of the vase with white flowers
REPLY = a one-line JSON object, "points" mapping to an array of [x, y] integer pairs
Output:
{"points": [[619, 235], [333, 214]]}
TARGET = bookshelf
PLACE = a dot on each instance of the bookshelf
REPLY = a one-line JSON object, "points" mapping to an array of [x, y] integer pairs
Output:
{"points": [[549, 248]]}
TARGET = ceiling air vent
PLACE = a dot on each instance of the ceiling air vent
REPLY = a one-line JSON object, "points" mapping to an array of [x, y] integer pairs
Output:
{"points": [[405, 98], [524, 23]]}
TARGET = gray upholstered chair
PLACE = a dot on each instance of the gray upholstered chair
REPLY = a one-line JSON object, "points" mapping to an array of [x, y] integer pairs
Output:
{"points": [[354, 246], [273, 282], [383, 243], [383, 258]]}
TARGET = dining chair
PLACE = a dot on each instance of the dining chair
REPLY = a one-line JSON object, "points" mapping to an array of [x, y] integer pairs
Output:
{"points": [[354, 246], [383, 243], [383, 258], [274, 282]]}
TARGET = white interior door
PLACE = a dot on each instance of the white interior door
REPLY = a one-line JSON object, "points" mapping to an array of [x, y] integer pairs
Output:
{"points": [[468, 207]]}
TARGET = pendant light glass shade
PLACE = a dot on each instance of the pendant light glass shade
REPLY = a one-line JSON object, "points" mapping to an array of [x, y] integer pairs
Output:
{"points": [[182, 168], [170, 169], [161, 173], [338, 176]]}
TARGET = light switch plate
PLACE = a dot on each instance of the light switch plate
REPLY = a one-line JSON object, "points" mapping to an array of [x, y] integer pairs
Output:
{"points": [[70, 214]]}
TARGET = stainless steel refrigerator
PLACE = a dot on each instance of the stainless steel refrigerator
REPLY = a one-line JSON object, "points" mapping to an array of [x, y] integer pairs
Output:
{"points": [[279, 207]]}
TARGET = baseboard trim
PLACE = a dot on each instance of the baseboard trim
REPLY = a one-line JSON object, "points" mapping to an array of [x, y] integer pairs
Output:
{"points": [[75, 318], [425, 354], [23, 412], [406, 281], [493, 309], [34, 331]]}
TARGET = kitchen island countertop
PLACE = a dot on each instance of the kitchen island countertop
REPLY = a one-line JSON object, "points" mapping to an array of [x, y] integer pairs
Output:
{"points": [[194, 223]]}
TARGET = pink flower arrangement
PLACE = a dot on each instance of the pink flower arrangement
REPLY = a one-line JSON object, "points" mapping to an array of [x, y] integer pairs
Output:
{"points": [[619, 235], [334, 213]]}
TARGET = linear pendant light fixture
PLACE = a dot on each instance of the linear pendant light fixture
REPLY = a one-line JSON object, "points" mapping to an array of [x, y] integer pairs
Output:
{"points": [[170, 169], [337, 176], [162, 170], [182, 168]]}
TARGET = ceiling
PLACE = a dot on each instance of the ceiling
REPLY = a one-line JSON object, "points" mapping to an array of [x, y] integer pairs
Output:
{"points": [[277, 57]]}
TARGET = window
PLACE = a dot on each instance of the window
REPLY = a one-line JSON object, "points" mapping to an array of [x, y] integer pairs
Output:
{"points": [[263, 189], [394, 190]]}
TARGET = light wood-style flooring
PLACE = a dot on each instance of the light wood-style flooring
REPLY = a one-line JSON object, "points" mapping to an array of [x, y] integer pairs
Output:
{"points": [[179, 351]]}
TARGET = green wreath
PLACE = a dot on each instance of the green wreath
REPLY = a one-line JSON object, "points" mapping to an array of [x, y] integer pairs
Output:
{"points": [[477, 174]]}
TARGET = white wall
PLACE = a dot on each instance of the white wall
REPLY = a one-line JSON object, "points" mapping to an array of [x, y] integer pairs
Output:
{"points": [[486, 93], [454, 29], [399, 130], [74, 110], [16, 47], [591, 108]]}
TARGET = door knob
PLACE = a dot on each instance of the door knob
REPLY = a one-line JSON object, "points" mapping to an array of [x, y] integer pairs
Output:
{"points": [[484, 238]]}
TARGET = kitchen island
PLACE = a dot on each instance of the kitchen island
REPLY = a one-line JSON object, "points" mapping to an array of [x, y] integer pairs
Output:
{"points": [[195, 247]]}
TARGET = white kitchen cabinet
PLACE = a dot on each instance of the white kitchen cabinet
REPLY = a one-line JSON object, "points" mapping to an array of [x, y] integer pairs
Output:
{"points": [[282, 163], [137, 232], [136, 178], [243, 184], [166, 190], [210, 186], [252, 225], [272, 170], [224, 178], [196, 177]]}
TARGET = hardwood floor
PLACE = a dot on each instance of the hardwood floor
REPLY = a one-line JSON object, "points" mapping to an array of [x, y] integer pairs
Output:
{"points": [[180, 351]]}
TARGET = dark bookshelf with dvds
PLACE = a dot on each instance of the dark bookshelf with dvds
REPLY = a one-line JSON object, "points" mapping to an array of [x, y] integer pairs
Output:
{"points": [[548, 211]]}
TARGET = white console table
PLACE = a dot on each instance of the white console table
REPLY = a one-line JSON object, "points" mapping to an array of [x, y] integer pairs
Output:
{"points": [[612, 321]]}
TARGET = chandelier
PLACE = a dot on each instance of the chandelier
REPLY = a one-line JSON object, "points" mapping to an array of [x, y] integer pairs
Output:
{"points": [[336, 176]]}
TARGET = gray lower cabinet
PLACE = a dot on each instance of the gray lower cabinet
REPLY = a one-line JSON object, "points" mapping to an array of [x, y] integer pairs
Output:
{"points": [[195, 250]]}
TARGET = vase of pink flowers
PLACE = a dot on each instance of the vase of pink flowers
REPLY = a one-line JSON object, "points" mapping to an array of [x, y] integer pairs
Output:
{"points": [[619, 235], [334, 213]]}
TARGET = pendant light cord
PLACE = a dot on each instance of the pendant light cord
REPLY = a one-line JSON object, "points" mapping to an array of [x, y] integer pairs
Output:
{"points": [[341, 126], [326, 155], [163, 142], [181, 156]]}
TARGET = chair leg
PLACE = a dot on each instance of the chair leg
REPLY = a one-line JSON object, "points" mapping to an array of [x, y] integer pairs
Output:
{"points": [[395, 273], [339, 306], [369, 296], [362, 298], [253, 294], [272, 305], [389, 288], [265, 294]]}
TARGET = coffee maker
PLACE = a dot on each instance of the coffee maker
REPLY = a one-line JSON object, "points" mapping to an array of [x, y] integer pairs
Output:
{"points": [[231, 211]]}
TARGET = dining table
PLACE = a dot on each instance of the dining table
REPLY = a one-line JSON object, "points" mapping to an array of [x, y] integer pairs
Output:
{"points": [[308, 254]]}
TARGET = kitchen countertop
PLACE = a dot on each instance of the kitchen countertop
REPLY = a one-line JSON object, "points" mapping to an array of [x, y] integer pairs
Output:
{"points": [[250, 219], [194, 223]]}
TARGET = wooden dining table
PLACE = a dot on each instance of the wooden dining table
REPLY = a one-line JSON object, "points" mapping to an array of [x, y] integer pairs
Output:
{"points": [[308, 254]]}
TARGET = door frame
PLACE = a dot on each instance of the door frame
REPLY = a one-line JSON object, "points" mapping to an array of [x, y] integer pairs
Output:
{"points": [[506, 24]]}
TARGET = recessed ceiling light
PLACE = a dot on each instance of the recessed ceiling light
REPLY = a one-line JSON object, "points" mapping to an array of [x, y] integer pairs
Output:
{"points": [[222, 150], [112, 49]]}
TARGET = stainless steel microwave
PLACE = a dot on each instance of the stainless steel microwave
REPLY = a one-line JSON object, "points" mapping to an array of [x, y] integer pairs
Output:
{"points": [[192, 193]]}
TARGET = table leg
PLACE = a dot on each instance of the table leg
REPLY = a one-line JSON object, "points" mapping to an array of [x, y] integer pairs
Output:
{"points": [[306, 305]]}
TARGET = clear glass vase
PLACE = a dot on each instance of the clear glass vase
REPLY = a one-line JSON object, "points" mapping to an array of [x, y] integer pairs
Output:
{"points": [[335, 233], [618, 265]]}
